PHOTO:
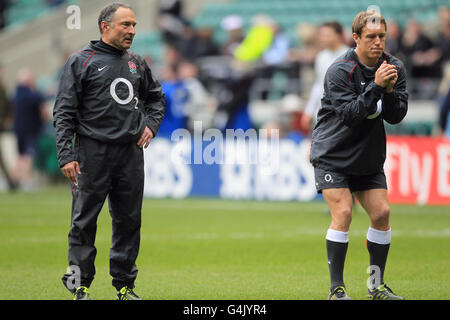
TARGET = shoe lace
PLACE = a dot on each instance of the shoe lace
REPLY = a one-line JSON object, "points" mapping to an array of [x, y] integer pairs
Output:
{"points": [[386, 288], [125, 291], [339, 292], [81, 292], [383, 291]]}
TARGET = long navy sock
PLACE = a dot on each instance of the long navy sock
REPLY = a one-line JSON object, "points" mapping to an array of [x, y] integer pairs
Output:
{"points": [[337, 244], [378, 244]]}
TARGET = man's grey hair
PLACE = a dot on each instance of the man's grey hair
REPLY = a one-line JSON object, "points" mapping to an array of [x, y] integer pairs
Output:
{"points": [[107, 13]]}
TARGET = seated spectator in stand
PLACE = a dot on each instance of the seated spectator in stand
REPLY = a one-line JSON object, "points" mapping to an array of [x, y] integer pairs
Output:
{"points": [[233, 26], [30, 115]]}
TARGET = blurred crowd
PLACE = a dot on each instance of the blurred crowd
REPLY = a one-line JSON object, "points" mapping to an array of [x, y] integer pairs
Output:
{"points": [[215, 82], [5, 4], [258, 62]]}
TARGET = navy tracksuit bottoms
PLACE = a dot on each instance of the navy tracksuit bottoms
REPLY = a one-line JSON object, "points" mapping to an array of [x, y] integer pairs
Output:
{"points": [[116, 171]]}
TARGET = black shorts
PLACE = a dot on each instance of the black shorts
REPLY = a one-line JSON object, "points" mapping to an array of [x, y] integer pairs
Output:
{"points": [[326, 179]]}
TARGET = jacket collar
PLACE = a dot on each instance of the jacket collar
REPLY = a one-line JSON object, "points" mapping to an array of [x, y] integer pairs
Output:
{"points": [[99, 45], [354, 56]]}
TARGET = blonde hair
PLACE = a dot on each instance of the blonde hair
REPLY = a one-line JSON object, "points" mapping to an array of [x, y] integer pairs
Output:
{"points": [[364, 18]]}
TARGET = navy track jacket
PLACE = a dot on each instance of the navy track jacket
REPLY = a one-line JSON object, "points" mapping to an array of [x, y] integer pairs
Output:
{"points": [[105, 94], [349, 135]]}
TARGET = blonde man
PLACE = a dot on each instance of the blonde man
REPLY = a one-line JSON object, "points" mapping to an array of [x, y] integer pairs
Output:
{"points": [[362, 89]]}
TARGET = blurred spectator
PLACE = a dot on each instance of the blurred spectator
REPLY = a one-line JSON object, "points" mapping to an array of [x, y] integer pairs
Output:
{"points": [[433, 27], [444, 14], [205, 43], [176, 96], [331, 40], [273, 72], [30, 115], [257, 41], [443, 38], [278, 52], [233, 101], [444, 94], [172, 55], [6, 118], [196, 43], [423, 57], [348, 37], [304, 56], [187, 44], [394, 40], [289, 107], [200, 105], [171, 21], [232, 25], [444, 115], [309, 46], [3, 6]]}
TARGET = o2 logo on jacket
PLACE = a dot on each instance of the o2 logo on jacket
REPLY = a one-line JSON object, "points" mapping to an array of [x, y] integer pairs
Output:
{"points": [[377, 113], [112, 90]]}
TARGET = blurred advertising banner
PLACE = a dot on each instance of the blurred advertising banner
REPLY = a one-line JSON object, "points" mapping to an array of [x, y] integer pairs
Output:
{"points": [[418, 170], [261, 169]]}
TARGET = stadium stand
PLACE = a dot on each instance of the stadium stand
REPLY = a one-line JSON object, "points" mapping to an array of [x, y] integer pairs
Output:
{"points": [[20, 12]]}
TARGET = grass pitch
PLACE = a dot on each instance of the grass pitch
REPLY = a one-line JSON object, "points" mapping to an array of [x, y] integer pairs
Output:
{"points": [[221, 250]]}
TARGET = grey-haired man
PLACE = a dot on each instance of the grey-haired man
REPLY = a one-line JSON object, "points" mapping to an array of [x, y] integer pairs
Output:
{"points": [[110, 103]]}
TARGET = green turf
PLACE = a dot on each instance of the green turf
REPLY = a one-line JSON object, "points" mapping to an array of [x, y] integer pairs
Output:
{"points": [[218, 249]]}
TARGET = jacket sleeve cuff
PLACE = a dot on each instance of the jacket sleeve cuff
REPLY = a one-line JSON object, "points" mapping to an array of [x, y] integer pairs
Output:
{"points": [[66, 160], [152, 125], [377, 89], [376, 93]]}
